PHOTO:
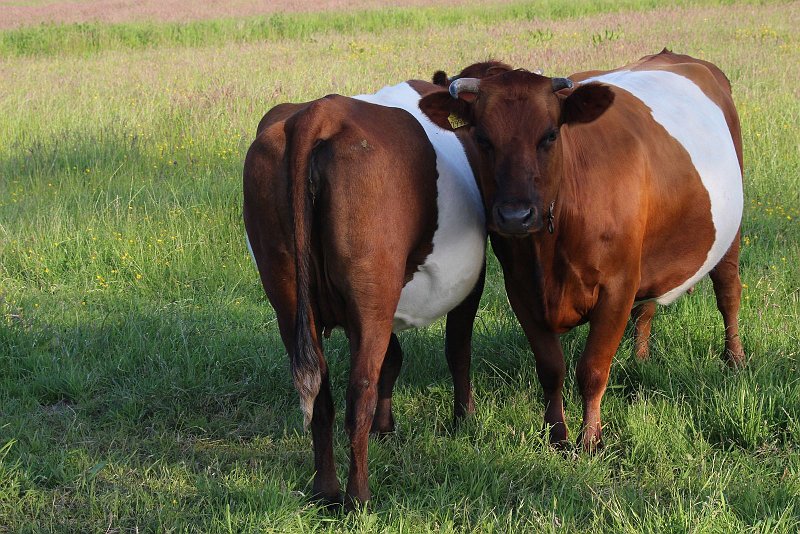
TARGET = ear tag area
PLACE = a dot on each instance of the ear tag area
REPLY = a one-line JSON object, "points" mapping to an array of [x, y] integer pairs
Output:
{"points": [[456, 122]]}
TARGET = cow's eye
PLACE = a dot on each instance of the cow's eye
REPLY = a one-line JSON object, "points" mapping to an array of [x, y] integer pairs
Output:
{"points": [[549, 138]]}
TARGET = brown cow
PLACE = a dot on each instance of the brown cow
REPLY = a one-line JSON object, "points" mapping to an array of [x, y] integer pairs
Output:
{"points": [[625, 189], [642, 315], [361, 213]]}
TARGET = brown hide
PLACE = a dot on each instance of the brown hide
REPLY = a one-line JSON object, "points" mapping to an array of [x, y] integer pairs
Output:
{"points": [[351, 194], [371, 218], [630, 216]]}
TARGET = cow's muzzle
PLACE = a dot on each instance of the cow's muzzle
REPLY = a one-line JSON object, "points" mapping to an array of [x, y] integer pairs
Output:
{"points": [[516, 218]]}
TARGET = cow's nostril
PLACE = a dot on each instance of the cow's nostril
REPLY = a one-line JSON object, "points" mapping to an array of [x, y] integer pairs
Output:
{"points": [[515, 218], [499, 216]]}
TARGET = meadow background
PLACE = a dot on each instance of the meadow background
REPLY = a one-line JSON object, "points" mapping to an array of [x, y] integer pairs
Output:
{"points": [[143, 385]]}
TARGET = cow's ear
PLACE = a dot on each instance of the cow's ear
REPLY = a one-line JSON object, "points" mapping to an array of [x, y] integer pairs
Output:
{"points": [[445, 111], [440, 79], [585, 103]]}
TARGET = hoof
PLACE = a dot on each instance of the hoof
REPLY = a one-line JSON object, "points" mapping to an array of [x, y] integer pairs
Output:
{"points": [[382, 425], [556, 434], [591, 443], [460, 419], [381, 435], [326, 492], [591, 447], [565, 447], [382, 432], [330, 503], [734, 359], [462, 411], [354, 503]]}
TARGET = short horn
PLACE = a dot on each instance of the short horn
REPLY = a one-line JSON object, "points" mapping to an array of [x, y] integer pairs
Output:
{"points": [[464, 85], [561, 83]]}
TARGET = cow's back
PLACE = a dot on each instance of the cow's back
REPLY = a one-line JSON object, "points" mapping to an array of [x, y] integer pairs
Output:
{"points": [[372, 177], [387, 174]]}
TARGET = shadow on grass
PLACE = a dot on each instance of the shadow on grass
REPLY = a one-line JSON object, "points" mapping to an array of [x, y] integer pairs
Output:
{"points": [[141, 407]]}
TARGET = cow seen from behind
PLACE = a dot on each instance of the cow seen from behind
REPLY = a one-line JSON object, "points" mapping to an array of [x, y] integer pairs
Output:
{"points": [[362, 214]]}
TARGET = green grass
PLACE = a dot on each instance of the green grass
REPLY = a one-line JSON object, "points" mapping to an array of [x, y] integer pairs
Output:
{"points": [[142, 379], [87, 38]]}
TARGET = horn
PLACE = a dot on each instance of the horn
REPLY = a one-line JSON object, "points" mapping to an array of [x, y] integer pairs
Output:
{"points": [[464, 85], [561, 83], [540, 72]]}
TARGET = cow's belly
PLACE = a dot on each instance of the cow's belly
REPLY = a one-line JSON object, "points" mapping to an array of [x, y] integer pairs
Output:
{"points": [[451, 270], [699, 125]]}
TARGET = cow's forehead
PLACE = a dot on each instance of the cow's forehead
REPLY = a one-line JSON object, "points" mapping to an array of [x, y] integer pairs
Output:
{"points": [[515, 83], [518, 95]]}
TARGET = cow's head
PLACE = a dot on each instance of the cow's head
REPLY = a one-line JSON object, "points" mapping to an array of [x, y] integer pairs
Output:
{"points": [[476, 70], [516, 119]]}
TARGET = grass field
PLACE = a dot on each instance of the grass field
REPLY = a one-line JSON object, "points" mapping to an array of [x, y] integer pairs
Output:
{"points": [[143, 385]]}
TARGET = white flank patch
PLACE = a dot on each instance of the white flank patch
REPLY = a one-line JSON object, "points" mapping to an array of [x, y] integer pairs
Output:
{"points": [[698, 124], [451, 271]]}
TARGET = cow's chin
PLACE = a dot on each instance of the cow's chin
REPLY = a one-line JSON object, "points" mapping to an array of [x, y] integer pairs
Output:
{"points": [[516, 233]]}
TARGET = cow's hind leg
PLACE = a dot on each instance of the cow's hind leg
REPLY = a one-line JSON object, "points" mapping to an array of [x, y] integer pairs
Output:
{"points": [[326, 489], [326, 486], [278, 279], [642, 317], [728, 290], [458, 349], [383, 422], [368, 346]]}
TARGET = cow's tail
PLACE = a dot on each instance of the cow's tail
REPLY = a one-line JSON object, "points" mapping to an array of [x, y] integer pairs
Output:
{"points": [[312, 126]]}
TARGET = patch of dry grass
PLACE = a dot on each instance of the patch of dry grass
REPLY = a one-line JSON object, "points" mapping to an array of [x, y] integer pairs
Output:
{"points": [[753, 47], [18, 13]]}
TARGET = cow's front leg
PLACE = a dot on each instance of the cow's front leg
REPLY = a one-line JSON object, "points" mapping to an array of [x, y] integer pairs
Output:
{"points": [[458, 349], [606, 326], [550, 367], [383, 422], [367, 356]]}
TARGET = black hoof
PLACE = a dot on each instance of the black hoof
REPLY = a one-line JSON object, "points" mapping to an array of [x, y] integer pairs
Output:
{"points": [[329, 503]]}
